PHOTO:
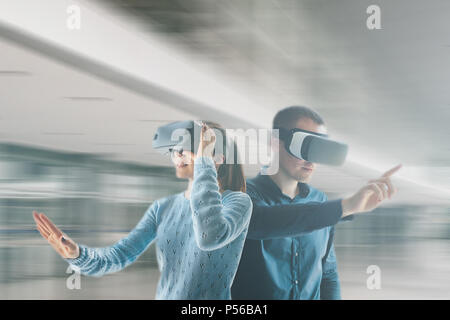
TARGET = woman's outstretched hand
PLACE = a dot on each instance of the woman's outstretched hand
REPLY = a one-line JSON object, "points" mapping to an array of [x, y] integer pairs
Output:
{"points": [[62, 244]]}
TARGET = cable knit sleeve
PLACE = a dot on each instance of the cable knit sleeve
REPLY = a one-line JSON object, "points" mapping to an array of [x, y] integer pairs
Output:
{"points": [[218, 219], [100, 261]]}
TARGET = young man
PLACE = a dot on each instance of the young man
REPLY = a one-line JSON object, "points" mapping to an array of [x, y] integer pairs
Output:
{"points": [[289, 252]]}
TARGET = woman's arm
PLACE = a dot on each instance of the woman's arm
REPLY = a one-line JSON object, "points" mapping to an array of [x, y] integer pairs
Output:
{"points": [[217, 220], [100, 261]]}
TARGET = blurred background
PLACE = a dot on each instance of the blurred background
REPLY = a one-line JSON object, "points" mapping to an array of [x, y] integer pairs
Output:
{"points": [[85, 84]]}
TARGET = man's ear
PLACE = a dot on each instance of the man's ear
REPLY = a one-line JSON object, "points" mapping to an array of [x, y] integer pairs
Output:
{"points": [[275, 143]]}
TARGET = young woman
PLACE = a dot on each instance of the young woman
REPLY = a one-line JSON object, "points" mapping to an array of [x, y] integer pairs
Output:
{"points": [[199, 233]]}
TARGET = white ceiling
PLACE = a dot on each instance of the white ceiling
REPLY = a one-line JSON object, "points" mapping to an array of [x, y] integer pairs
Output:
{"points": [[53, 105], [105, 89]]}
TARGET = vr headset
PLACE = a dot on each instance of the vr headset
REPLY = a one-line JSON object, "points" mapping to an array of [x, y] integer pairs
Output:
{"points": [[302, 144], [183, 135], [313, 147]]}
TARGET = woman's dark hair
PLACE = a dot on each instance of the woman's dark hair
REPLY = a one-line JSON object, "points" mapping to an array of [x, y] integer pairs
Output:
{"points": [[230, 174]]}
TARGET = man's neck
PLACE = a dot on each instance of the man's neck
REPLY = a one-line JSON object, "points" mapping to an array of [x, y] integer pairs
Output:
{"points": [[287, 184]]}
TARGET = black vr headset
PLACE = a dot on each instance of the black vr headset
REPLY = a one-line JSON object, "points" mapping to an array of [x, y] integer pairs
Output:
{"points": [[183, 135], [313, 147]]}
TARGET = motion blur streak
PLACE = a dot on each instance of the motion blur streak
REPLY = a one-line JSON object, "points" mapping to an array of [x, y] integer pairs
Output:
{"points": [[78, 110], [97, 202]]}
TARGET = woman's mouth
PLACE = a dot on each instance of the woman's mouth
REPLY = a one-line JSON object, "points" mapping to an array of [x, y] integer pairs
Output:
{"points": [[307, 169]]}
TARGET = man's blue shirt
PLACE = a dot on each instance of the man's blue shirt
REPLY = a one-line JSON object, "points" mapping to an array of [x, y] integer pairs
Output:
{"points": [[289, 252]]}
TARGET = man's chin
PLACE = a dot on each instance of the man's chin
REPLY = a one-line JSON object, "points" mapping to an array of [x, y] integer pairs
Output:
{"points": [[304, 177]]}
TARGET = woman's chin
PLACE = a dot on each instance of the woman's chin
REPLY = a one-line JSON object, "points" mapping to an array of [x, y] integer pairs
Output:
{"points": [[183, 173]]}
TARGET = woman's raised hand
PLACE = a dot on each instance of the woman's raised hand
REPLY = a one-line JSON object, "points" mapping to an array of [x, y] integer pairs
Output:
{"points": [[62, 244], [207, 141]]}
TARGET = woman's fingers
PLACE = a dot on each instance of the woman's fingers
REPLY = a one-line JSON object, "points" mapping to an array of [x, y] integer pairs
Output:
{"points": [[43, 232], [53, 239], [207, 141], [60, 242], [53, 229], [199, 123], [208, 135], [40, 223], [36, 217], [42, 228]]}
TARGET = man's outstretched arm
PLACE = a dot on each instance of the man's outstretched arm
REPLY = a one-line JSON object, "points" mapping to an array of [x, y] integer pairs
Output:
{"points": [[288, 220]]}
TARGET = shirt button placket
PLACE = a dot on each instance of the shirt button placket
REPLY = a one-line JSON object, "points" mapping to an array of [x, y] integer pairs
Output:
{"points": [[295, 269], [297, 261]]}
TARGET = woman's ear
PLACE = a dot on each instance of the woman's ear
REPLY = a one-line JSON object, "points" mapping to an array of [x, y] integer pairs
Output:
{"points": [[189, 156], [219, 159]]}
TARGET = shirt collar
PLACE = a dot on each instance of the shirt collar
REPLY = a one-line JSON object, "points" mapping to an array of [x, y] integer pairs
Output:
{"points": [[273, 187]]}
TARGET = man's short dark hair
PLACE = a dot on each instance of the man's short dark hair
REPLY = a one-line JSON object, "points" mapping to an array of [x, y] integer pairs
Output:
{"points": [[288, 117]]}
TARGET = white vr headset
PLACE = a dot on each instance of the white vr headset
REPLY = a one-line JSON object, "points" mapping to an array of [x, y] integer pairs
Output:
{"points": [[313, 147], [184, 135], [302, 144]]}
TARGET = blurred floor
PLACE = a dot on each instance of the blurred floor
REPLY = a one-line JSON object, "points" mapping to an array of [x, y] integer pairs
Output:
{"points": [[97, 203], [411, 268], [417, 270]]}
